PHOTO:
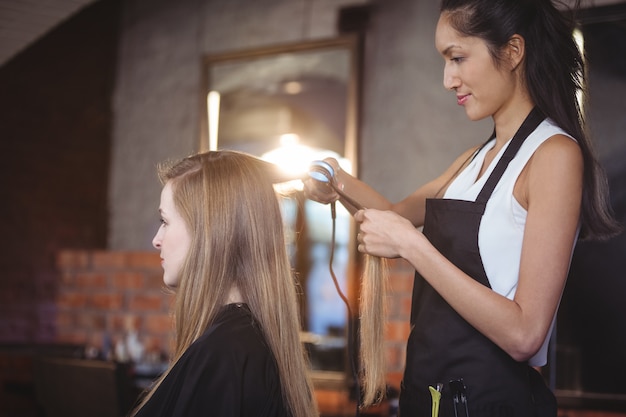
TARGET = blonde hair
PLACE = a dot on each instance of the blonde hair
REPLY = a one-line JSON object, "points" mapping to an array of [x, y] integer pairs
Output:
{"points": [[229, 204], [372, 309]]}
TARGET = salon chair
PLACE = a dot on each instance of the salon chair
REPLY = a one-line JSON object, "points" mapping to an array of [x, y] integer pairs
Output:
{"points": [[70, 387]]}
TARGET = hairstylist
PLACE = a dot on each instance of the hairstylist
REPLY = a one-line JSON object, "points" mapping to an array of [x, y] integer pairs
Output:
{"points": [[500, 224]]}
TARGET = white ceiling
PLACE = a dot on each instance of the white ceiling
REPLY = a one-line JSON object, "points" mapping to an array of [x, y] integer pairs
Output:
{"points": [[24, 21]]}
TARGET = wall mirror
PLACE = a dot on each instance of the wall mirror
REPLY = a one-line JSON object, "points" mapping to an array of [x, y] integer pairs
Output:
{"points": [[292, 104]]}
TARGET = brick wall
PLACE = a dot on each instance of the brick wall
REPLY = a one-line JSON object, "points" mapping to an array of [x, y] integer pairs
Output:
{"points": [[398, 315], [107, 292], [104, 295]]}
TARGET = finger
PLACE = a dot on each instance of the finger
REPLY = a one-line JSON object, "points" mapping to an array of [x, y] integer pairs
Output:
{"points": [[319, 192]]}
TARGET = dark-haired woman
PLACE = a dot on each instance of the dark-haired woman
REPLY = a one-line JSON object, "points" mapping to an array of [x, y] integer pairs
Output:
{"points": [[500, 224]]}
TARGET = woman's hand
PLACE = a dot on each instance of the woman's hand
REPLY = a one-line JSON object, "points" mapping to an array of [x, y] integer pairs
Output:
{"points": [[384, 233], [320, 191]]}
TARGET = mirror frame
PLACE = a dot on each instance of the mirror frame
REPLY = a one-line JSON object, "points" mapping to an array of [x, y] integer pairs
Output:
{"points": [[353, 45]]}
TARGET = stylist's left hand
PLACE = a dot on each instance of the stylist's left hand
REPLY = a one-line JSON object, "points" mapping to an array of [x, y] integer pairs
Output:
{"points": [[382, 233]]}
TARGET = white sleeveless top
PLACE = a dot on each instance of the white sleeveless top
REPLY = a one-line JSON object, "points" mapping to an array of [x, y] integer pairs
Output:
{"points": [[502, 227]]}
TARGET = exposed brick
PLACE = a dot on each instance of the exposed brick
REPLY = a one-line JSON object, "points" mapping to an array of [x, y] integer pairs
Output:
{"points": [[400, 283], [332, 402], [90, 280], [393, 357], [158, 344], [399, 307], [159, 324], [397, 331], [146, 260], [401, 266], [123, 321], [91, 320], [96, 339], [169, 301], [391, 353], [108, 260], [72, 259], [138, 299], [405, 308], [116, 322], [394, 379], [128, 280], [107, 301], [154, 280], [70, 299], [146, 302]]}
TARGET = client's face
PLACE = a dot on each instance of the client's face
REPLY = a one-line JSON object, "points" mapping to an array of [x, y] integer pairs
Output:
{"points": [[172, 239]]}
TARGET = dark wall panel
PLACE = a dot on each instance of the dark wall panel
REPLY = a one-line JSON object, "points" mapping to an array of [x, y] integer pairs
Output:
{"points": [[55, 137]]}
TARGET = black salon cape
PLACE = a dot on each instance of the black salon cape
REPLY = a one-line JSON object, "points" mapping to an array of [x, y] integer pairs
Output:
{"points": [[228, 371]]}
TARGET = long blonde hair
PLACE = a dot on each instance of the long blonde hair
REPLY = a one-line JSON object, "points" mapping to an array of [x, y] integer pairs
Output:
{"points": [[229, 204], [372, 309]]}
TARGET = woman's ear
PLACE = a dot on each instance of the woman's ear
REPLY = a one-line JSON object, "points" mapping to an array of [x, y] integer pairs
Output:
{"points": [[516, 50]]}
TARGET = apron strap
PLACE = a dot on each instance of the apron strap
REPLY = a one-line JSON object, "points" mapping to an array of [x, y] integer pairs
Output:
{"points": [[534, 118]]}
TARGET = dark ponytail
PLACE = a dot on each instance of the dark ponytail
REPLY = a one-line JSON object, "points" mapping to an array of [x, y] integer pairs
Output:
{"points": [[554, 73]]}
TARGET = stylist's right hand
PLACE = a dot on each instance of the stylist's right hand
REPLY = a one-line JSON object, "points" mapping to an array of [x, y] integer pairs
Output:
{"points": [[383, 233]]}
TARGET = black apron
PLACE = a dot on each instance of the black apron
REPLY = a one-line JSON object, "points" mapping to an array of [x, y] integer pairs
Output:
{"points": [[442, 346]]}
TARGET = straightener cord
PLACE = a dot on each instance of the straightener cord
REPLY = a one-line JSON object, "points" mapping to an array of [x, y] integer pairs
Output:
{"points": [[347, 303]]}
